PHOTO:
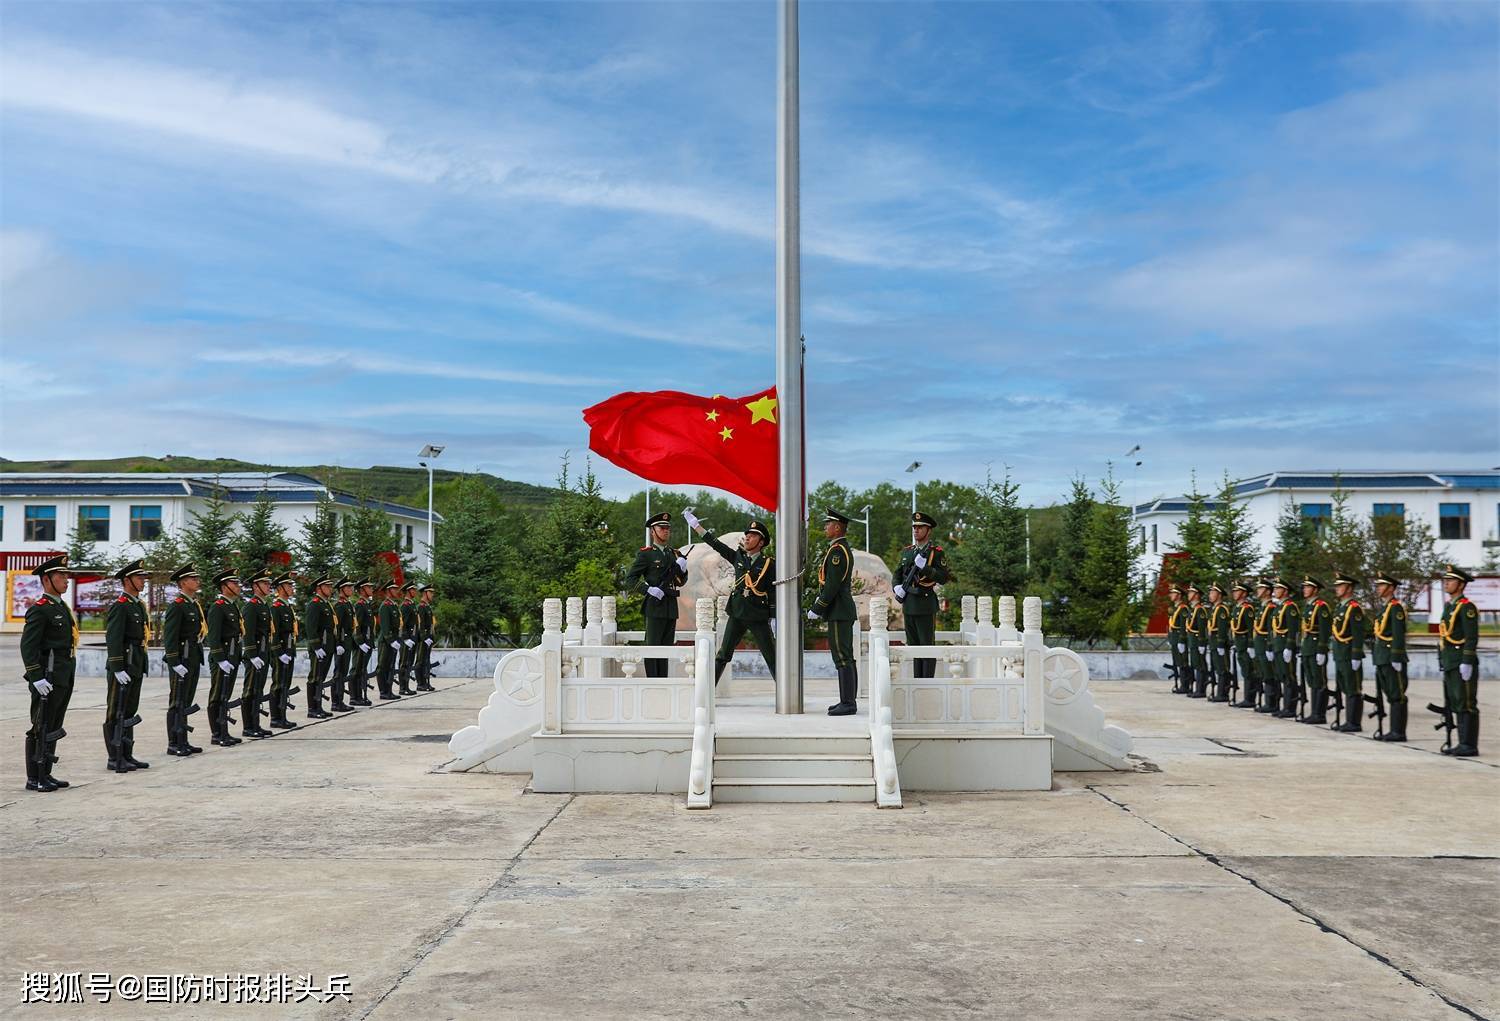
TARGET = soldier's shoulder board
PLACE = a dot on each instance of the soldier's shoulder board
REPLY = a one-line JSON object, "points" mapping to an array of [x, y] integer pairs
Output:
{"points": [[645, 549], [220, 601], [180, 599], [123, 599], [936, 548]]}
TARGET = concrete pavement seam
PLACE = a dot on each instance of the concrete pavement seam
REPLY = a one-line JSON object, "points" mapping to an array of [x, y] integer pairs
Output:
{"points": [[426, 949], [1320, 923]]}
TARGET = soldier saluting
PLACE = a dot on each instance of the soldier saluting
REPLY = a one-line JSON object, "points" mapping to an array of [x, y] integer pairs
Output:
{"points": [[49, 645], [1388, 652], [658, 573], [752, 603], [835, 604], [183, 628], [924, 566], [126, 632], [226, 636]]}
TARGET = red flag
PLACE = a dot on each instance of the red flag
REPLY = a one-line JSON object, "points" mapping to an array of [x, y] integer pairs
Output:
{"points": [[682, 439]]}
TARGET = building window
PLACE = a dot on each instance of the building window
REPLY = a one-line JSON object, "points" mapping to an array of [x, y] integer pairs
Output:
{"points": [[145, 523], [1319, 514], [408, 538], [1389, 510], [1153, 539], [93, 523], [41, 524], [1453, 521], [2, 524]]}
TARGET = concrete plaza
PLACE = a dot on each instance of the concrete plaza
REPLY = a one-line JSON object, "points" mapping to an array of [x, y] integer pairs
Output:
{"points": [[1250, 868]]}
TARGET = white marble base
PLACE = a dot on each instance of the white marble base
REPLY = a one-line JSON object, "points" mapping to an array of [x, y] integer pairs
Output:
{"points": [[957, 763], [645, 764]]}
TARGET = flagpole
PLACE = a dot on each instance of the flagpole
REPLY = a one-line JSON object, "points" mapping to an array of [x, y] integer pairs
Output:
{"points": [[791, 515]]}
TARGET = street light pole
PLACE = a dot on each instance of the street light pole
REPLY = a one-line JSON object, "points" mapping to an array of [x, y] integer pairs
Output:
{"points": [[867, 527], [912, 470], [430, 452]]}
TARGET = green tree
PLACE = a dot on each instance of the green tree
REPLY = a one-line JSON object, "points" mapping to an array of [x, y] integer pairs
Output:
{"points": [[1195, 537], [574, 529], [1109, 604], [1234, 549], [990, 559], [317, 549], [82, 551], [1298, 545], [259, 535], [1067, 567], [364, 534], [209, 535], [1407, 550], [470, 564], [1344, 543]]}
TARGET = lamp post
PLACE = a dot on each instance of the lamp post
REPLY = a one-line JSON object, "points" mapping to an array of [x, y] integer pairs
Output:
{"points": [[431, 453], [866, 519], [912, 470]]}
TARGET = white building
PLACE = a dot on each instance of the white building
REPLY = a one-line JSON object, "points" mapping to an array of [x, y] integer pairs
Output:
{"points": [[39, 510], [1461, 507]]}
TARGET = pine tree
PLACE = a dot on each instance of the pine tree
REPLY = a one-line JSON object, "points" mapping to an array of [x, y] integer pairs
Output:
{"points": [[1235, 552], [1195, 537], [469, 562], [259, 536], [82, 551], [209, 535], [1344, 544], [317, 551], [1406, 550], [575, 529], [365, 534], [1109, 603], [1298, 545], [991, 559], [1067, 573]]}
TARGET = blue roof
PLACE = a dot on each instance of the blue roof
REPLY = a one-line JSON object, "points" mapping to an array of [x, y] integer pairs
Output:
{"points": [[1331, 480]]}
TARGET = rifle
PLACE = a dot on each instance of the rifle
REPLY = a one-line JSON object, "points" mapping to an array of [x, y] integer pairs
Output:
{"points": [[44, 739], [122, 725], [228, 687], [1378, 701], [1301, 704], [1234, 673], [910, 580], [1171, 669], [1338, 706], [1446, 724]]}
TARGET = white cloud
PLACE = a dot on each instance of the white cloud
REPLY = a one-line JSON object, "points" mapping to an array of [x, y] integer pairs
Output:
{"points": [[416, 365]]}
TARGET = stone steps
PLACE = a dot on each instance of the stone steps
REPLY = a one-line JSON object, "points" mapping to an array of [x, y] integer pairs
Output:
{"points": [[803, 768]]}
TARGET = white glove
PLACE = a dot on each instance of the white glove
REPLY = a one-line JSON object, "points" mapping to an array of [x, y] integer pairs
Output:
{"points": [[180, 670], [257, 662], [682, 563], [1286, 655], [1320, 658], [1223, 650], [773, 627], [691, 519], [338, 649], [396, 646], [322, 653], [655, 593], [363, 647], [1466, 670], [1182, 647], [284, 658], [122, 677], [812, 615], [410, 644], [921, 561], [43, 687], [1357, 659], [225, 665], [1270, 656], [900, 591], [427, 641]]}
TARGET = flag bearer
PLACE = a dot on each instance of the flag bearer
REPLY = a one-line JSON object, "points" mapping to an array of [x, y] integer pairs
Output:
{"points": [[752, 603]]}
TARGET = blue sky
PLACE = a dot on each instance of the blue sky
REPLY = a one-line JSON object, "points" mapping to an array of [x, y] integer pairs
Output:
{"points": [[1242, 236]]}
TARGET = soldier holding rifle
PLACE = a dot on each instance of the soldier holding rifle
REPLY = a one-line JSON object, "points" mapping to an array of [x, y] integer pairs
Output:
{"points": [[183, 629], [127, 629], [49, 645], [658, 574]]}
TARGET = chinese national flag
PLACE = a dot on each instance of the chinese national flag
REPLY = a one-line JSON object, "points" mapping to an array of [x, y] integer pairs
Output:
{"points": [[682, 439]]}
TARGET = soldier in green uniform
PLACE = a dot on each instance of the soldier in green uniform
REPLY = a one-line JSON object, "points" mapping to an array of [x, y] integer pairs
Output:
{"points": [[1219, 642], [317, 628], [1317, 621], [426, 635], [1262, 652], [1348, 633], [835, 604], [924, 566], [1241, 634], [343, 644], [1458, 657], [1286, 626], [1388, 652], [183, 628], [388, 641], [1177, 639], [259, 628], [364, 644], [49, 647], [127, 630], [226, 636], [752, 601], [408, 650], [284, 636], [1196, 626], [657, 574]]}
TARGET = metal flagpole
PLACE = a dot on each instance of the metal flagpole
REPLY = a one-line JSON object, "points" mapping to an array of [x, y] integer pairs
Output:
{"points": [[791, 516]]}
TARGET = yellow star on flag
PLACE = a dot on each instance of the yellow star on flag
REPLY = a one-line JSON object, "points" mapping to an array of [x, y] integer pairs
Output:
{"points": [[726, 432], [763, 410], [713, 416]]}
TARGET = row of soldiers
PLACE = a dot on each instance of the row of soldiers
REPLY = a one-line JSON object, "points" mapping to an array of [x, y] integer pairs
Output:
{"points": [[252, 628], [1276, 649]]}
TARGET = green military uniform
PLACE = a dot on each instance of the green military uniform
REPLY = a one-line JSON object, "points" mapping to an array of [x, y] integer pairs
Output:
{"points": [[1348, 633], [343, 645], [1317, 627], [226, 638], [1388, 652], [317, 627], [127, 630], [752, 601], [1262, 652], [49, 647], [364, 645], [184, 626], [834, 603], [917, 592], [388, 640], [408, 650], [661, 568], [1458, 657], [285, 634], [1177, 639], [1241, 633], [1286, 626], [426, 636], [1219, 642], [260, 632], [1197, 644]]}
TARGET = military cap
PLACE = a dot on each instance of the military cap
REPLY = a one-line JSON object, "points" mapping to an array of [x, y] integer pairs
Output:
{"points": [[1385, 579], [410, 586], [1193, 587], [1175, 588], [428, 588], [759, 529], [185, 571], [1343, 579], [1308, 579], [48, 566], [390, 585], [1264, 583], [225, 577], [920, 518], [1456, 573], [1216, 587], [285, 579], [1240, 586], [260, 575], [1281, 583], [342, 582], [663, 518], [364, 583], [129, 570], [833, 515], [322, 580]]}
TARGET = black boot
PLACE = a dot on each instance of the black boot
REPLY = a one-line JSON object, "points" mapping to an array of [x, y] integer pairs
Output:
{"points": [[115, 763], [1270, 698], [848, 691], [184, 729], [174, 732], [1288, 701], [35, 777], [337, 702], [1319, 703], [1395, 730], [127, 746], [719, 665], [47, 761], [1354, 713], [1468, 736]]}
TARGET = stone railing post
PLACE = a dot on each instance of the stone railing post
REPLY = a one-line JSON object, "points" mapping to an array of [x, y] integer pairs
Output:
{"points": [[984, 634], [703, 658], [877, 663], [967, 621], [721, 621], [1032, 650], [593, 631], [573, 632], [551, 650], [1007, 632]]}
